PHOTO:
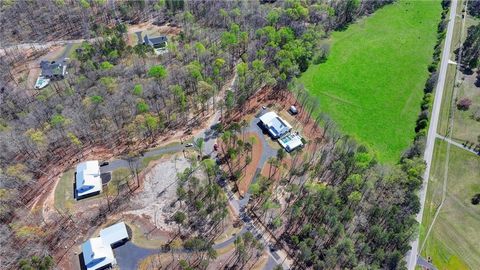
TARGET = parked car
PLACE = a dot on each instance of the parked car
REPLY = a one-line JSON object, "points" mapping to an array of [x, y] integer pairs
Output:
{"points": [[189, 145], [105, 163], [293, 110]]}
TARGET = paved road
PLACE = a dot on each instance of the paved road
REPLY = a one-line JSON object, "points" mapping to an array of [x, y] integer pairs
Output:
{"points": [[425, 264], [43, 45], [129, 255], [432, 131], [66, 51], [267, 152], [123, 163], [452, 142]]}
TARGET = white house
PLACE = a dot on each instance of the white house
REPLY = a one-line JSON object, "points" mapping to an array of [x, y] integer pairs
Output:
{"points": [[115, 234], [291, 141], [276, 126], [87, 179], [97, 255], [98, 252]]}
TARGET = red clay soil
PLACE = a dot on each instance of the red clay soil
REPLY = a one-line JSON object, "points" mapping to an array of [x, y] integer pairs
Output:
{"points": [[46, 184], [269, 97], [249, 171], [276, 173]]}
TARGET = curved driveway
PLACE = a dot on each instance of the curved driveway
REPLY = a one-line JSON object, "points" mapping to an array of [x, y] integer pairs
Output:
{"points": [[129, 255]]}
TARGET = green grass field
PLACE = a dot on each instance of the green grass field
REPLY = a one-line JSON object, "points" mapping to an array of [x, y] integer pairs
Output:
{"points": [[372, 82], [64, 198], [454, 240], [465, 128]]}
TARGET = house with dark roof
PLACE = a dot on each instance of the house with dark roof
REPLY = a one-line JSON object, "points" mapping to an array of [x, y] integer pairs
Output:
{"points": [[53, 70], [159, 43]]}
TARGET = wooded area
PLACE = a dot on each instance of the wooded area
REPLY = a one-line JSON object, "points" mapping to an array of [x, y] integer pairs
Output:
{"points": [[344, 210]]}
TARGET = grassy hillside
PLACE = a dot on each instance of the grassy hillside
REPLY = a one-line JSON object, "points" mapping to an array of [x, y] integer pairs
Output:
{"points": [[372, 82], [453, 241]]}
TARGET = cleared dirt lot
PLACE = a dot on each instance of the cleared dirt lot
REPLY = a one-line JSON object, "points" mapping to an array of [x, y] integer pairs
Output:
{"points": [[158, 199]]}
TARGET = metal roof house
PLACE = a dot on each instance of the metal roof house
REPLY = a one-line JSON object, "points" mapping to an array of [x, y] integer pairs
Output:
{"points": [[276, 126], [98, 252], [97, 255], [159, 43], [115, 234], [87, 179], [53, 70]]}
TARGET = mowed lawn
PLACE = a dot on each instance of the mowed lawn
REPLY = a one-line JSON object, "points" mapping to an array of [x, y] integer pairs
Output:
{"points": [[454, 242], [372, 82]]}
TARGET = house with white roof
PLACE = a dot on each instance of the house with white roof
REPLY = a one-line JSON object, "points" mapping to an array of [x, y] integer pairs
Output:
{"points": [[97, 255], [98, 251], [291, 141], [87, 179], [276, 126]]}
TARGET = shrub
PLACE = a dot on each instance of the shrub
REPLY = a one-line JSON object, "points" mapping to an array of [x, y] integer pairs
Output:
{"points": [[464, 104], [105, 65], [476, 115]]}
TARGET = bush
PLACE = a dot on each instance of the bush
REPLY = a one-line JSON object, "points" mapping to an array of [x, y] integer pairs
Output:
{"points": [[430, 84], [464, 104], [433, 67], [421, 125], [476, 115], [476, 199]]}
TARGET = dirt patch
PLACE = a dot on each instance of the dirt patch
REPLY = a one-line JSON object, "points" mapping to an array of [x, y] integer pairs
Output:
{"points": [[274, 172], [150, 29], [158, 201], [144, 233], [280, 101], [249, 171]]}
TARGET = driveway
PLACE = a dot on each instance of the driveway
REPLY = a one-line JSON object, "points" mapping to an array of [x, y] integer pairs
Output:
{"points": [[129, 255], [123, 163], [267, 153]]}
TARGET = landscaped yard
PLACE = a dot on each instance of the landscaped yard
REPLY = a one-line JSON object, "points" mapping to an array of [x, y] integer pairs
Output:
{"points": [[454, 240], [372, 82], [64, 198]]}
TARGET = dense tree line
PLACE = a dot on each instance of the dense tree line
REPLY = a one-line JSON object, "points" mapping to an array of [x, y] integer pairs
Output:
{"points": [[335, 207], [44, 20], [474, 8], [469, 53], [117, 94]]}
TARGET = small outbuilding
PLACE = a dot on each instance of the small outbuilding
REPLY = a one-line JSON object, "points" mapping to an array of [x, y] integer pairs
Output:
{"points": [[275, 125], [87, 179], [293, 110], [291, 142]]}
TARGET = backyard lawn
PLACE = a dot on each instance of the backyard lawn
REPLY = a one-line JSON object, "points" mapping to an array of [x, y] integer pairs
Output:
{"points": [[372, 82], [453, 241], [64, 198]]}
